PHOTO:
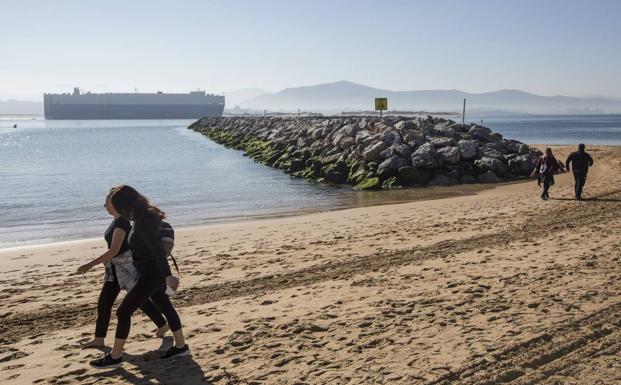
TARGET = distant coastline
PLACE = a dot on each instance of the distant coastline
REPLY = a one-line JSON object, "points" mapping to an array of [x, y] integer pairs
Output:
{"points": [[345, 96]]}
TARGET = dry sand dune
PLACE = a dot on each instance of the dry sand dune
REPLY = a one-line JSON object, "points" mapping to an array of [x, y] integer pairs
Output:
{"points": [[497, 287]]}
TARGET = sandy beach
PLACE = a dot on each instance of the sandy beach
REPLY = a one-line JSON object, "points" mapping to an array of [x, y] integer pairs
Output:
{"points": [[493, 287]]}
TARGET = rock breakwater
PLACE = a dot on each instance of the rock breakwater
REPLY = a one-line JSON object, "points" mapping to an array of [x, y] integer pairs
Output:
{"points": [[375, 153]]}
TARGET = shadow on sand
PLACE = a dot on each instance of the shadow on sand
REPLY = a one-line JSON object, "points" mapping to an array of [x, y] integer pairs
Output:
{"points": [[149, 368], [594, 199]]}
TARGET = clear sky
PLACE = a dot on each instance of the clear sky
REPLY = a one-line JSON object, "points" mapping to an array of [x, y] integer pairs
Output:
{"points": [[548, 47]]}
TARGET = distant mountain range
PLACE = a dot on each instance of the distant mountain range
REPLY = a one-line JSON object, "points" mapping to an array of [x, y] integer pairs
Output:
{"points": [[234, 98], [347, 96], [344, 95]]}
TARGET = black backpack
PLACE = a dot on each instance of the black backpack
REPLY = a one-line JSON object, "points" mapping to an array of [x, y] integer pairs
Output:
{"points": [[167, 236]]}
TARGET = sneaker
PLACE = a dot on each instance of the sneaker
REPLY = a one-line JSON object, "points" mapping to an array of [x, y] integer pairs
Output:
{"points": [[177, 352], [106, 362]]}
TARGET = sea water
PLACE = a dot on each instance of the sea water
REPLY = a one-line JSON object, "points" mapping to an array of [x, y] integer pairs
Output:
{"points": [[54, 175]]}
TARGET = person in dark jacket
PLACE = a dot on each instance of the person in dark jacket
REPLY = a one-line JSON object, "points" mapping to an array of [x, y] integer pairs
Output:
{"points": [[150, 260], [546, 167], [116, 236], [580, 163]]}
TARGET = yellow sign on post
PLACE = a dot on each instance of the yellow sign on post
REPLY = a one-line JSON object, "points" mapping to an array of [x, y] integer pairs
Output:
{"points": [[381, 104]]}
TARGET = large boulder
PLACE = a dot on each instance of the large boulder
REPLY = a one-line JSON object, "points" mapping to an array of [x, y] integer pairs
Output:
{"points": [[489, 152], [387, 153], [317, 133], [369, 140], [458, 127], [449, 155], [441, 141], [468, 148], [414, 144], [390, 166], [483, 133], [346, 142], [403, 150], [303, 142], [336, 139], [425, 157], [498, 146], [372, 152], [382, 126], [361, 136], [296, 165], [390, 137], [490, 164], [517, 147], [497, 136], [372, 183], [336, 173], [315, 164], [410, 135], [350, 129], [405, 125], [365, 125], [333, 158], [521, 164], [391, 183], [444, 129]]}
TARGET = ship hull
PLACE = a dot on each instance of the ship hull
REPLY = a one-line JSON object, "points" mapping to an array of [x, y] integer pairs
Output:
{"points": [[192, 105], [131, 111]]}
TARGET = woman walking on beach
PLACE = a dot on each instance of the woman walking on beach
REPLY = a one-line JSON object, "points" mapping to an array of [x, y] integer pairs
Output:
{"points": [[119, 274], [153, 274], [546, 167]]}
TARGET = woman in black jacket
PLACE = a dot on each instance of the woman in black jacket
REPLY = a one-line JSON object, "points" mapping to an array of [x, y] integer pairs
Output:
{"points": [[546, 167], [153, 274], [116, 236]]}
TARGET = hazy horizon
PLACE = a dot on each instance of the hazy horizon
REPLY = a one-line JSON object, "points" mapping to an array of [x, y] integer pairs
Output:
{"points": [[265, 91], [552, 48]]}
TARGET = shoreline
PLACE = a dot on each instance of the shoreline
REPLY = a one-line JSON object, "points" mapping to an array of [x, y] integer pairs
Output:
{"points": [[410, 194], [426, 194]]}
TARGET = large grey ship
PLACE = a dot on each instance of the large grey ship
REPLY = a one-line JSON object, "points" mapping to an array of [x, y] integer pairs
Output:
{"points": [[77, 105]]}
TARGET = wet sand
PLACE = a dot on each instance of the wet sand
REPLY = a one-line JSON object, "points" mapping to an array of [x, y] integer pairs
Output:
{"points": [[492, 287]]}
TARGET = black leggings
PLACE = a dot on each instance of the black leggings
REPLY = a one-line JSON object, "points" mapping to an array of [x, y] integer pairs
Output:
{"points": [[155, 289], [109, 292], [548, 180]]}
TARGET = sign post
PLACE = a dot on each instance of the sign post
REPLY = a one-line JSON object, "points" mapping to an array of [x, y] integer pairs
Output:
{"points": [[381, 104]]}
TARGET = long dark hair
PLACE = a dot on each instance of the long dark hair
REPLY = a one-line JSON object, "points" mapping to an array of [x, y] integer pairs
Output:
{"points": [[128, 202], [549, 154]]}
